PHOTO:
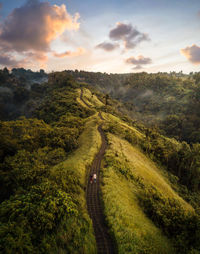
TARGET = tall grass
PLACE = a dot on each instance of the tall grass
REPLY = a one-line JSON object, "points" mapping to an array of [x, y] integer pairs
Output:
{"points": [[92, 98]]}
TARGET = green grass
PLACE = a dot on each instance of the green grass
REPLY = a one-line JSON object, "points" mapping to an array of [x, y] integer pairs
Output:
{"points": [[121, 124], [91, 99], [79, 100]]}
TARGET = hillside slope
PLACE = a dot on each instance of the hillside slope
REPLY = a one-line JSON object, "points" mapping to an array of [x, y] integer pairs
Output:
{"points": [[45, 167]]}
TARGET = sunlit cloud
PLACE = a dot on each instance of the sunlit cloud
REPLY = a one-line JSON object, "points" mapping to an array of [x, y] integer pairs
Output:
{"points": [[31, 28], [192, 54], [107, 46], [139, 61], [78, 52]]}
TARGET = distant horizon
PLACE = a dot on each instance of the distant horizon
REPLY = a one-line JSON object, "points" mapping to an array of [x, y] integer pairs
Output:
{"points": [[116, 36], [103, 72]]}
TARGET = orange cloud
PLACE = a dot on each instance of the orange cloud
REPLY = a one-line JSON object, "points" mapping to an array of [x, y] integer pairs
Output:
{"points": [[192, 54], [57, 23], [78, 52], [30, 29]]}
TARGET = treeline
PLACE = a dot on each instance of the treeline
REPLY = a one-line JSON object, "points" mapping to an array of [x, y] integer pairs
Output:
{"points": [[181, 159], [169, 101], [105, 82], [166, 101]]}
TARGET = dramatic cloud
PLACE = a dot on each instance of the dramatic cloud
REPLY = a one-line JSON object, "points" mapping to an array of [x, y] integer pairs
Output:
{"points": [[130, 36], [32, 27], [78, 52], [139, 61], [192, 54], [107, 46]]}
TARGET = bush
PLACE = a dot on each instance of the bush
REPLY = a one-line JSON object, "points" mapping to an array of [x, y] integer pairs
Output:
{"points": [[27, 218], [183, 227]]}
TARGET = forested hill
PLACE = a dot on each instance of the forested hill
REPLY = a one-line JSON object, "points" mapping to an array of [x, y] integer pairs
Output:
{"points": [[149, 183], [20, 92], [169, 102]]}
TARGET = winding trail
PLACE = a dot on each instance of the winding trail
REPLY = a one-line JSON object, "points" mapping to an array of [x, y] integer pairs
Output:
{"points": [[105, 244]]}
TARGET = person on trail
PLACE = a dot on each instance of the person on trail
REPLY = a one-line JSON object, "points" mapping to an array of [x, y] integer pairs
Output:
{"points": [[95, 178], [91, 178]]}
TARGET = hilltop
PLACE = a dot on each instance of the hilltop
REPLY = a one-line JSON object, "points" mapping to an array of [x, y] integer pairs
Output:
{"points": [[148, 182]]}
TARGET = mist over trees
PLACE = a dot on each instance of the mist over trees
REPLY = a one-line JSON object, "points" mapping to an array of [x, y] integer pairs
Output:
{"points": [[168, 101], [20, 92]]}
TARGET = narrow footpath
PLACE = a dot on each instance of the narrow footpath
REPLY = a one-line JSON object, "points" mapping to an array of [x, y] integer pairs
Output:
{"points": [[104, 242]]}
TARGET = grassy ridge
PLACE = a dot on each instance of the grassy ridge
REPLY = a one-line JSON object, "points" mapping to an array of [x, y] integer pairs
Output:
{"points": [[90, 98], [78, 230]]}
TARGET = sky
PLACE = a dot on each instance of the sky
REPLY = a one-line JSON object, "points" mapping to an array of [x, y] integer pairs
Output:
{"points": [[113, 36]]}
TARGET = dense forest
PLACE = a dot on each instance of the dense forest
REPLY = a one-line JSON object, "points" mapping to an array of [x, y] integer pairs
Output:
{"points": [[48, 140]]}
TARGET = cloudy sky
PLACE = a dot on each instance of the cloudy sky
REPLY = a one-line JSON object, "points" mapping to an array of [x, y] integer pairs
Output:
{"points": [[117, 36]]}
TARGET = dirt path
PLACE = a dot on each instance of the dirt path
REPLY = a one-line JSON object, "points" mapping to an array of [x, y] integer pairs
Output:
{"points": [[104, 242]]}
